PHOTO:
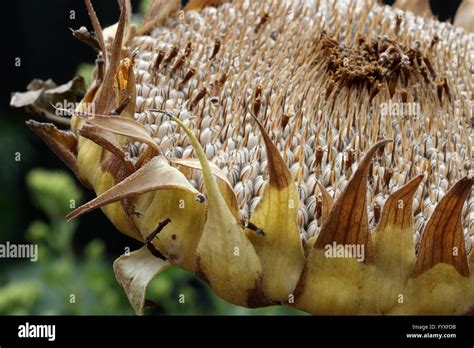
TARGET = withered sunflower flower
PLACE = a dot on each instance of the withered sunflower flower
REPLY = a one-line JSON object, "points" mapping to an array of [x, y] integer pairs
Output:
{"points": [[249, 142]]}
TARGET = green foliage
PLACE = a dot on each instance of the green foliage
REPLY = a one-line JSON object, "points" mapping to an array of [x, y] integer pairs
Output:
{"points": [[144, 5], [60, 282], [53, 192], [86, 70], [18, 297]]}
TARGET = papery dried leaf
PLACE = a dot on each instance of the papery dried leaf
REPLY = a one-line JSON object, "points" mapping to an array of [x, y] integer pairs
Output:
{"points": [[22, 99], [443, 239], [225, 258], [394, 246], [63, 144], [339, 274], [123, 126], [158, 11], [224, 185], [279, 248], [134, 271], [82, 34], [42, 95], [68, 91]]}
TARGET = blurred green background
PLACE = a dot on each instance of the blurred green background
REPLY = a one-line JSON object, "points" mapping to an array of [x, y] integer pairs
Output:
{"points": [[73, 274]]}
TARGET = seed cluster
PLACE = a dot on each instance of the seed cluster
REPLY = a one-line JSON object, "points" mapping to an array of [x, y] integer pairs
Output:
{"points": [[317, 77]]}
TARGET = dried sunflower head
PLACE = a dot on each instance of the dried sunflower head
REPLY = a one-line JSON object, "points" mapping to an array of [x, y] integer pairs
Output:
{"points": [[313, 155]]}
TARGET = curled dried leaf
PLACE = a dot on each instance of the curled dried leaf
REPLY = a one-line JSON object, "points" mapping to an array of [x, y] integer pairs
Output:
{"points": [[134, 271], [82, 34], [41, 96], [63, 143], [104, 99]]}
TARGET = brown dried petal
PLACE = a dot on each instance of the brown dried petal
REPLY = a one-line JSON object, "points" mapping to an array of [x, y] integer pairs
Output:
{"points": [[443, 240], [82, 34], [348, 222], [63, 144]]}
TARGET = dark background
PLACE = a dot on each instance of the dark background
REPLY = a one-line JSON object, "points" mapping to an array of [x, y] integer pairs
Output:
{"points": [[38, 32]]}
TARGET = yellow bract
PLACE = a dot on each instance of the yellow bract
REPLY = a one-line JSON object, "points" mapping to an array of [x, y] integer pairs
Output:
{"points": [[225, 258], [279, 248]]}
